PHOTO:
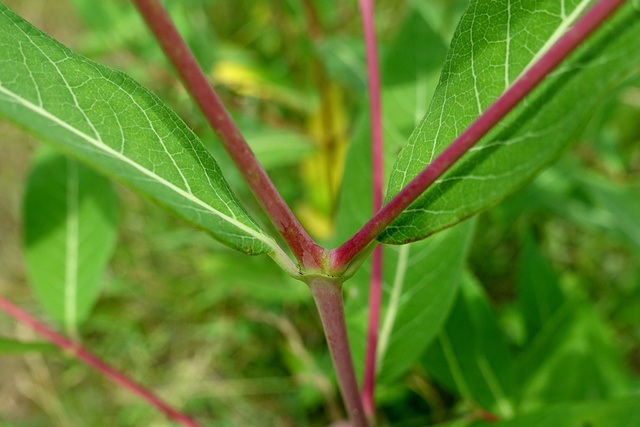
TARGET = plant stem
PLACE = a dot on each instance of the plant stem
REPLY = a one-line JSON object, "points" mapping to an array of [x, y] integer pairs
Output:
{"points": [[90, 359], [375, 299], [306, 251], [377, 156], [327, 293], [584, 27]]}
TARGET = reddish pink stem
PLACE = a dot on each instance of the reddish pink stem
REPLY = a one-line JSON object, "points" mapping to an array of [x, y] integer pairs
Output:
{"points": [[588, 23], [328, 297], [375, 300], [306, 251], [375, 285], [92, 360]]}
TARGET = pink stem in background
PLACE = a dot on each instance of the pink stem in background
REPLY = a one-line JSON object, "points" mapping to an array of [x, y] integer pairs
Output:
{"points": [[375, 300], [377, 156], [306, 251], [588, 23], [92, 360]]}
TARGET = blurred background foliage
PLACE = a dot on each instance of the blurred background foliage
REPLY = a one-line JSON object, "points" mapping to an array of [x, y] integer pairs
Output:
{"points": [[553, 280]]}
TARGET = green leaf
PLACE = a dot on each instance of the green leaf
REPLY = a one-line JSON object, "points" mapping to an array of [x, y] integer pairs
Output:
{"points": [[420, 286], [616, 206], [470, 355], [420, 281], [620, 412], [11, 346], [572, 358], [539, 293], [494, 43], [70, 232], [106, 119]]}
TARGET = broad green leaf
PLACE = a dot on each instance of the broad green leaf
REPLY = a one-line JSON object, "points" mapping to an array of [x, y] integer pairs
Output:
{"points": [[539, 293], [420, 280], [70, 232], [470, 355], [11, 346], [572, 358], [106, 119], [494, 43], [619, 412], [418, 298]]}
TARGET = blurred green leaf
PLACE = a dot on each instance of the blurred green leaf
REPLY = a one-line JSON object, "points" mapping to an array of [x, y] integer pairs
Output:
{"points": [[621, 412], [276, 148], [492, 46], [539, 293], [618, 206], [573, 191], [70, 231], [470, 355], [12, 346], [344, 60], [572, 358], [108, 120]]}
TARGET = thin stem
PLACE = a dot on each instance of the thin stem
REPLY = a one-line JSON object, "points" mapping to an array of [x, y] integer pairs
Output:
{"points": [[375, 299], [90, 359], [341, 256], [375, 103], [375, 284], [306, 251], [327, 294]]}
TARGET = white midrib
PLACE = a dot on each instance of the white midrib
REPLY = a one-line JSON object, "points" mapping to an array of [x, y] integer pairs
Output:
{"points": [[114, 153], [71, 248], [394, 304], [558, 33]]}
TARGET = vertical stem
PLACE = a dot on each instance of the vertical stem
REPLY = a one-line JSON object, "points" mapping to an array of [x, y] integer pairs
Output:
{"points": [[327, 294], [375, 103], [375, 299], [375, 286]]}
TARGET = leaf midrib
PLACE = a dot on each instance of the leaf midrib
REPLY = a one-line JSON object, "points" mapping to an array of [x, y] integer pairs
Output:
{"points": [[114, 153]]}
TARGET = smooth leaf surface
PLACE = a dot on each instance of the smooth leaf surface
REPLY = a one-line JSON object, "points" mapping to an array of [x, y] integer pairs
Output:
{"points": [[70, 232], [470, 355], [106, 119], [494, 43], [420, 281], [12, 346], [539, 293], [617, 207], [572, 358]]}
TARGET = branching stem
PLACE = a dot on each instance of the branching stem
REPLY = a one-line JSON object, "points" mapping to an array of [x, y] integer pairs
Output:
{"points": [[306, 251], [529, 80]]}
